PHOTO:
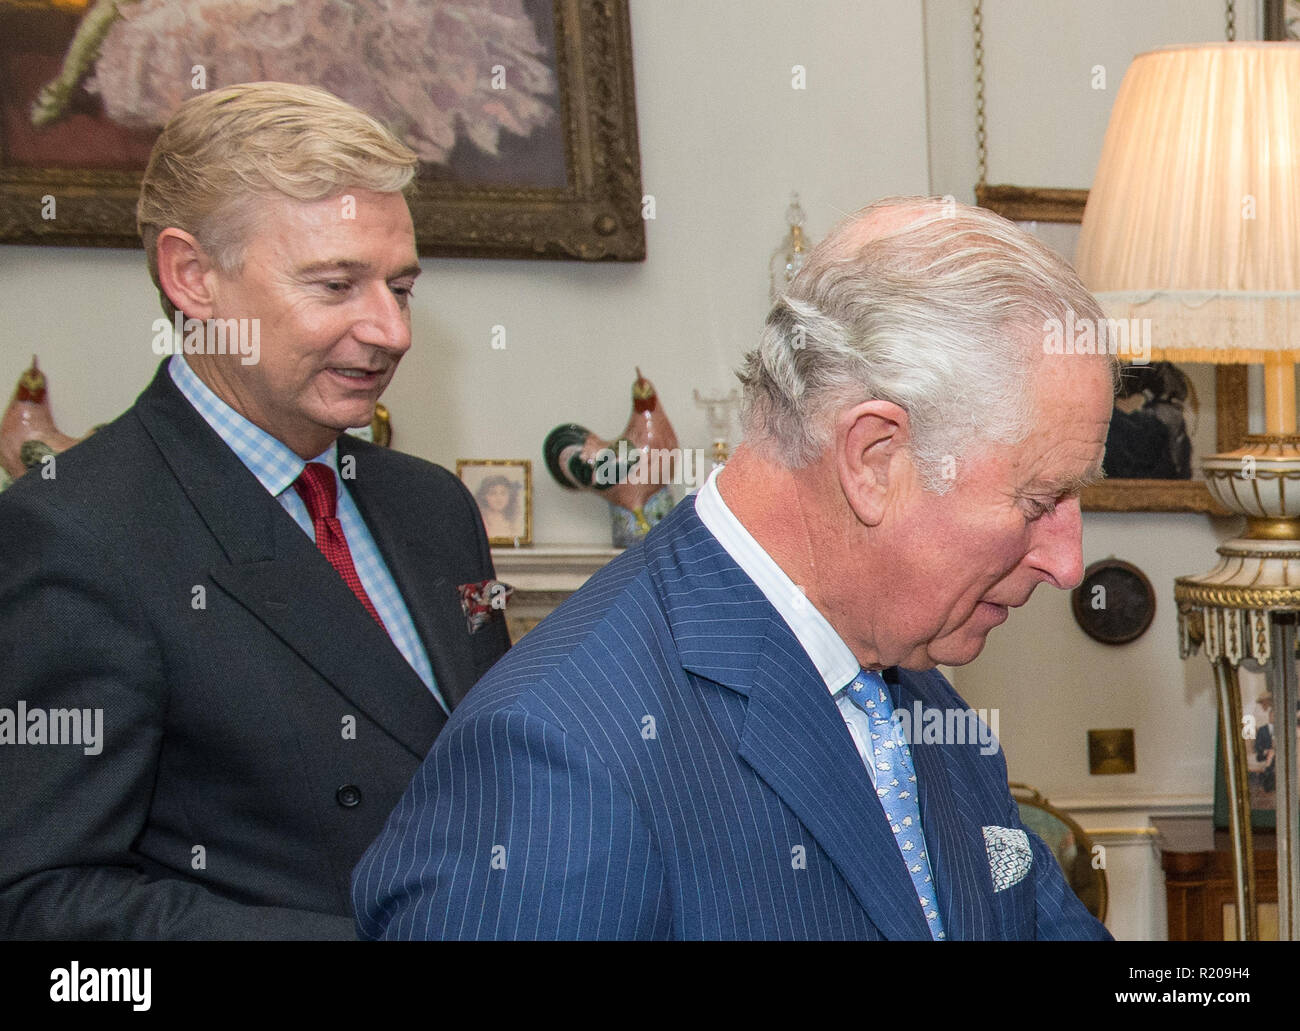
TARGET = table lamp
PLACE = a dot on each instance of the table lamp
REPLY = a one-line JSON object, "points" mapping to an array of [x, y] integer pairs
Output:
{"points": [[1193, 222]]}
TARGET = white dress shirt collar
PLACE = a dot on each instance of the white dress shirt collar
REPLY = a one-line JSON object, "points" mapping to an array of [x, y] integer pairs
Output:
{"points": [[824, 646]]}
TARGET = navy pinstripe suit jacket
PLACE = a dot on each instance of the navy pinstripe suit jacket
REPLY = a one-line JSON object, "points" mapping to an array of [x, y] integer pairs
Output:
{"points": [[660, 759]]}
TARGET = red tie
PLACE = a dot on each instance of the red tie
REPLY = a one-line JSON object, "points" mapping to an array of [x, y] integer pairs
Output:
{"points": [[318, 491]]}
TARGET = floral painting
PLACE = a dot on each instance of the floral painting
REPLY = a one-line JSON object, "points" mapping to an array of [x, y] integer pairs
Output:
{"points": [[422, 67], [484, 91]]}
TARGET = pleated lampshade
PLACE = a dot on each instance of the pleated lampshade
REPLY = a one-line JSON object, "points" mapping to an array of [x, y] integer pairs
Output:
{"points": [[1193, 219]]}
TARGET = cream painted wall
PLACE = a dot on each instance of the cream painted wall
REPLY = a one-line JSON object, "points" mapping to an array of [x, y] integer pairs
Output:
{"points": [[724, 139], [1044, 119]]}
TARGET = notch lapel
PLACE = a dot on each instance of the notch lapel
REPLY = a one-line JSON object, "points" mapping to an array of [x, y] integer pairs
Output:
{"points": [[796, 740], [794, 737]]}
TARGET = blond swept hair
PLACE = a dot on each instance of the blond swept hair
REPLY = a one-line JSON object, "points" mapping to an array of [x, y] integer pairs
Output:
{"points": [[223, 150]]}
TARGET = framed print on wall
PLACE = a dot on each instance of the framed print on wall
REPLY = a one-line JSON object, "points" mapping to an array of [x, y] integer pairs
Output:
{"points": [[1166, 415], [522, 111], [1260, 727], [503, 489]]}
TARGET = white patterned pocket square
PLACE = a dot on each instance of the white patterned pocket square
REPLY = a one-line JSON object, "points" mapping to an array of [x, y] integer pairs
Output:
{"points": [[1010, 856]]}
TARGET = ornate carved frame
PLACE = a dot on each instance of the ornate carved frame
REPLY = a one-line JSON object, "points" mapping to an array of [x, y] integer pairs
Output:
{"points": [[1029, 204], [596, 216]]}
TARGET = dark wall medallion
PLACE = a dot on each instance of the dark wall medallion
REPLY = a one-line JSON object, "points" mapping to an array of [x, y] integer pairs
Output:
{"points": [[1115, 602]]}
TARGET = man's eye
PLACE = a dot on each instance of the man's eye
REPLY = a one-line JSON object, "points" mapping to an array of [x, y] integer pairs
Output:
{"points": [[402, 293], [1037, 509], [336, 286]]}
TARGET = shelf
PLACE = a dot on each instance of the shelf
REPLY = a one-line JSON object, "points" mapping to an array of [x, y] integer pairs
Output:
{"points": [[550, 567]]}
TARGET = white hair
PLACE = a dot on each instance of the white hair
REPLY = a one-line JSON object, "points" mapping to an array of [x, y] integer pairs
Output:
{"points": [[942, 314]]}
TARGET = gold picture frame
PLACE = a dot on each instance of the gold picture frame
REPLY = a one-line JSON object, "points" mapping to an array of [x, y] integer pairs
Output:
{"points": [[1035, 204], [594, 214], [498, 486]]}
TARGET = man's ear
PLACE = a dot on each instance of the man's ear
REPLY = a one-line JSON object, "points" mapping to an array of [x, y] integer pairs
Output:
{"points": [[185, 273], [870, 440]]}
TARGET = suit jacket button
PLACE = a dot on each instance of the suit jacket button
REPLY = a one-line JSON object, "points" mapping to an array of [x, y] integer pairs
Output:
{"points": [[348, 795]]}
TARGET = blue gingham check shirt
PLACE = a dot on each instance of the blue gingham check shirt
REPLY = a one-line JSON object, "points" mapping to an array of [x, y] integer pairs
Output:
{"points": [[276, 468]]}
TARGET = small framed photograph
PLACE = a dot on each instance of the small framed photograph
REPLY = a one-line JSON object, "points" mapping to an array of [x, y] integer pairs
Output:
{"points": [[503, 488]]}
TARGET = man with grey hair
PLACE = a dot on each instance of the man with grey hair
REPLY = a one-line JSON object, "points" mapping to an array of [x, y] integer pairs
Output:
{"points": [[261, 618], [717, 736]]}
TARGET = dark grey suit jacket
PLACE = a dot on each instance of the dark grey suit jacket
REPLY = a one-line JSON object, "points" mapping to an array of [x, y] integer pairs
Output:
{"points": [[258, 725]]}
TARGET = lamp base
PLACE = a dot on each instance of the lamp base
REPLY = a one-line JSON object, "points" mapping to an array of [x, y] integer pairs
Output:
{"points": [[1261, 481], [1244, 609]]}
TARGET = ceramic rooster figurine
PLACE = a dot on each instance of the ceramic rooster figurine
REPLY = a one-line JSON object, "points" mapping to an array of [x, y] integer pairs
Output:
{"points": [[27, 431], [632, 472]]}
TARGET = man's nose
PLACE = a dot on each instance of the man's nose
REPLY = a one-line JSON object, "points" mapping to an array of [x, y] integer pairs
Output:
{"points": [[383, 322], [1058, 546]]}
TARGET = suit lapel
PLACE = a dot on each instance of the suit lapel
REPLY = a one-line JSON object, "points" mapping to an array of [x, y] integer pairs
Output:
{"points": [[275, 571], [304, 601], [958, 858], [796, 740], [794, 737], [417, 557]]}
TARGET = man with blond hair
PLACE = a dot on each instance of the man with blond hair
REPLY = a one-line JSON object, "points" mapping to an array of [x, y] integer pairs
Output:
{"points": [[230, 630], [736, 729]]}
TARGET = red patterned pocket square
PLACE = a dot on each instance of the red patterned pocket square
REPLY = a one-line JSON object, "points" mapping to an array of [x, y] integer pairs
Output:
{"points": [[480, 600]]}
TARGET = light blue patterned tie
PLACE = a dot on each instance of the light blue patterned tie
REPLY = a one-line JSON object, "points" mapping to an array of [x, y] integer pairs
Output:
{"points": [[897, 789]]}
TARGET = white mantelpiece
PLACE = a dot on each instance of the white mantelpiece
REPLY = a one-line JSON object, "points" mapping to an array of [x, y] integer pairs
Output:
{"points": [[543, 576]]}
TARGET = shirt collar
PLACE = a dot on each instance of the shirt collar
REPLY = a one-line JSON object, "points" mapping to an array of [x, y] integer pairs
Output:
{"points": [[834, 661], [272, 461]]}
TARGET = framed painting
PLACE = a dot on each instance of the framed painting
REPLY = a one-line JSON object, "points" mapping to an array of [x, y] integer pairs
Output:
{"points": [[1166, 414], [1259, 730], [1281, 19], [503, 490], [522, 111]]}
